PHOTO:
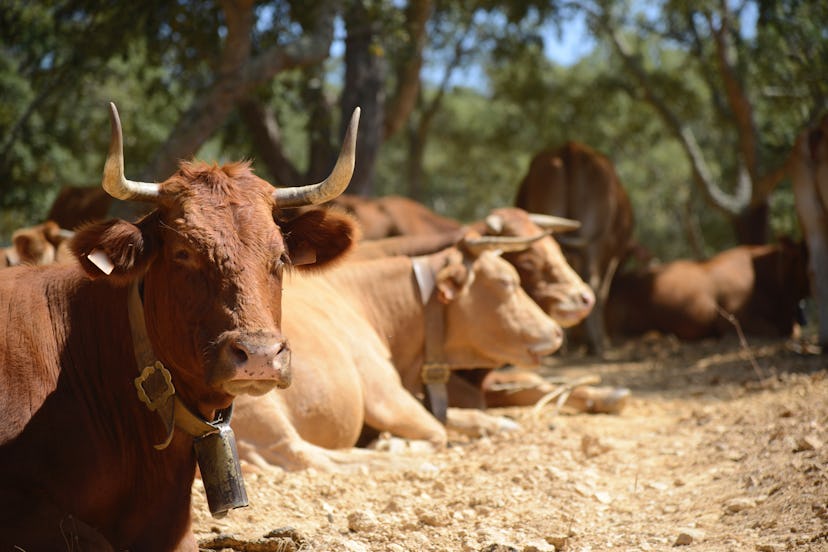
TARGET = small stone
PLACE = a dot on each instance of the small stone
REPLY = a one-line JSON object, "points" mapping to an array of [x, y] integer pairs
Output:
{"points": [[362, 521], [769, 547], [688, 536], [808, 442], [434, 519], [354, 546], [538, 546], [739, 504], [558, 541]]}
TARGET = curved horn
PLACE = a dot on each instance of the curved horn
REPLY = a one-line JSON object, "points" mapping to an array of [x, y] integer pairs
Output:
{"points": [[506, 244], [572, 242], [554, 223], [114, 181], [494, 223], [337, 181]]}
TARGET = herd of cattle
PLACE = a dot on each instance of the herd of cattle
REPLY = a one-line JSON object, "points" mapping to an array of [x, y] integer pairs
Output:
{"points": [[125, 342]]}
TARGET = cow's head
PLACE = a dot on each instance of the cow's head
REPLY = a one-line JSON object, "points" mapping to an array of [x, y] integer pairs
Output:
{"points": [[211, 256], [37, 245], [544, 272], [490, 320]]}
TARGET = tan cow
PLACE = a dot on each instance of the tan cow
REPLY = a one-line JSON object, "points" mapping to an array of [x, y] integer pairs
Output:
{"points": [[544, 274], [760, 285], [359, 336], [579, 183], [809, 172], [41, 244]]}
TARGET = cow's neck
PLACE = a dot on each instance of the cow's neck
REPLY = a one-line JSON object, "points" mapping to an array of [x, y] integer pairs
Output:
{"points": [[421, 341], [387, 293], [154, 385]]}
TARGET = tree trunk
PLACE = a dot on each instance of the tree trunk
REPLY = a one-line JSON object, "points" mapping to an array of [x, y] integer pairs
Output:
{"points": [[365, 71], [322, 150], [751, 225], [267, 139]]}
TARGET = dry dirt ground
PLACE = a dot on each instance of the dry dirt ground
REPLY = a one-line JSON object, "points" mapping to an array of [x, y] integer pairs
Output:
{"points": [[721, 448]]}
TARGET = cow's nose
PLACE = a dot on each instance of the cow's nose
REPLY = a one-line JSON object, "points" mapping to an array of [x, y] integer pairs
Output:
{"points": [[587, 298], [259, 357]]}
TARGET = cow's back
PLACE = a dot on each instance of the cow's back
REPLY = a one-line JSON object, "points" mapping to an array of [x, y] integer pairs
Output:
{"points": [[28, 347]]}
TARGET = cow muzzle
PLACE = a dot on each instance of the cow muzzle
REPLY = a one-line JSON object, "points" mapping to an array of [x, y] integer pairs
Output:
{"points": [[253, 363]]}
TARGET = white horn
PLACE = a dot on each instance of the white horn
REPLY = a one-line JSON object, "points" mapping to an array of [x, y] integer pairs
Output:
{"points": [[337, 181], [506, 244], [554, 223], [114, 181]]}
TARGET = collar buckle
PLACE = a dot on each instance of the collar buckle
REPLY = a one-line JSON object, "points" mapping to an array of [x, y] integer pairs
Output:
{"points": [[154, 386], [435, 372]]}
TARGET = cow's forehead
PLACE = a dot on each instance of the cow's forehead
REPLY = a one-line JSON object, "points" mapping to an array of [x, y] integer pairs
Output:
{"points": [[217, 206], [493, 265]]}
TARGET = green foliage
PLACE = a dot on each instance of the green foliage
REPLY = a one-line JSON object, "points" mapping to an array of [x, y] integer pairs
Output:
{"points": [[62, 61]]}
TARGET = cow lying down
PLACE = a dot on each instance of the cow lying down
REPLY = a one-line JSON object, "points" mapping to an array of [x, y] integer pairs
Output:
{"points": [[358, 336], [547, 278], [760, 286], [113, 366], [41, 244]]}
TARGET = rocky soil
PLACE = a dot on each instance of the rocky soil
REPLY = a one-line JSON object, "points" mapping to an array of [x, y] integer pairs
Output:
{"points": [[722, 447]]}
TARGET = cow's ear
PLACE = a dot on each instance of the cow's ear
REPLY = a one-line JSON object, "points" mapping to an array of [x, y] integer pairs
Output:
{"points": [[27, 246], [450, 280], [116, 249], [318, 237], [52, 232]]}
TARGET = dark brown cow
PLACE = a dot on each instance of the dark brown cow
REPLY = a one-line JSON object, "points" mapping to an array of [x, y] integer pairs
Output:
{"points": [[760, 285], [579, 183], [77, 205], [393, 215], [41, 244], [809, 172], [195, 285]]}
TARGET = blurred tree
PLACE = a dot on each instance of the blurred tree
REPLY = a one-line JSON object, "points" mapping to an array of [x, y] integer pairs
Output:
{"points": [[226, 78], [695, 64]]}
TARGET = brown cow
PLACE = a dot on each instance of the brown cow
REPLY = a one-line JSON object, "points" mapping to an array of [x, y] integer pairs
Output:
{"points": [[544, 272], [760, 285], [393, 215], [360, 335], [544, 275], [577, 182], [42, 244], [196, 286], [809, 172], [77, 205]]}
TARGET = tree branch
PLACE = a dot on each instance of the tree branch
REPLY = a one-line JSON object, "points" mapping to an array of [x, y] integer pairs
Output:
{"points": [[267, 139], [408, 75], [739, 103], [731, 204], [238, 73]]}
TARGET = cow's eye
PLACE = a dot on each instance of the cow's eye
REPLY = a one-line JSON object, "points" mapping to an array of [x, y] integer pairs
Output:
{"points": [[280, 264], [181, 255]]}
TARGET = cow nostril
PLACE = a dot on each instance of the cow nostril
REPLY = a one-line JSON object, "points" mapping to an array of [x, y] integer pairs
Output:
{"points": [[238, 353]]}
